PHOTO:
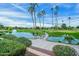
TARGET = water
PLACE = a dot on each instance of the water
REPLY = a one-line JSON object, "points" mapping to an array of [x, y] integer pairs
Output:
{"points": [[56, 39], [22, 34], [14, 31], [62, 40], [27, 35], [52, 39]]}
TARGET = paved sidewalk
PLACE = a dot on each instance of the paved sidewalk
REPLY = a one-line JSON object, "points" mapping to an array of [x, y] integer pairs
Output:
{"points": [[43, 50], [43, 44], [36, 52]]}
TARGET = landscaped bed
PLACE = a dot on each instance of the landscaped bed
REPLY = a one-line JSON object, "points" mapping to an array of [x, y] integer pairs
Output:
{"points": [[22, 40], [61, 50], [12, 45]]}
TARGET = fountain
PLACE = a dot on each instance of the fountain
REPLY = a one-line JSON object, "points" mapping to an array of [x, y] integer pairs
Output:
{"points": [[46, 36], [22, 34], [14, 31]]}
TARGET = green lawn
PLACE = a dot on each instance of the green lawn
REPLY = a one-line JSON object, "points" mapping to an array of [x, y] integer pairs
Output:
{"points": [[52, 32]]}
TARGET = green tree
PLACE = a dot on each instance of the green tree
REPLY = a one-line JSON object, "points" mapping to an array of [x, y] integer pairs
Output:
{"points": [[64, 26], [32, 11], [52, 9], [77, 27], [39, 16], [1, 26], [56, 15], [69, 18], [43, 13]]}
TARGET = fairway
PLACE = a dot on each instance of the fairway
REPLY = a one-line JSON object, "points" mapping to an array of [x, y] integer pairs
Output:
{"points": [[52, 32]]}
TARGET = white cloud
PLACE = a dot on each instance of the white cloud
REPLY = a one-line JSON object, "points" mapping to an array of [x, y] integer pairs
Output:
{"points": [[74, 20], [10, 22], [77, 8], [24, 10], [65, 5], [14, 14], [21, 23]]}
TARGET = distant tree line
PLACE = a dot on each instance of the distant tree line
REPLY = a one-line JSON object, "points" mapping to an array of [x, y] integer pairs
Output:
{"points": [[40, 15]]}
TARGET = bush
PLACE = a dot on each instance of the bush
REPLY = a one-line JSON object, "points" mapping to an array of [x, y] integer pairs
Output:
{"points": [[77, 43], [9, 36], [61, 50], [22, 40], [10, 47], [2, 33], [69, 38], [25, 41]]}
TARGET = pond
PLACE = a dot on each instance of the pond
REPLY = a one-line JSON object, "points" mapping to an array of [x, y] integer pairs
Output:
{"points": [[22, 34], [60, 39]]}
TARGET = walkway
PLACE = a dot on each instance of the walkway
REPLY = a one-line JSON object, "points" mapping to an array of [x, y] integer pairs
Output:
{"points": [[39, 51], [46, 45], [42, 47]]}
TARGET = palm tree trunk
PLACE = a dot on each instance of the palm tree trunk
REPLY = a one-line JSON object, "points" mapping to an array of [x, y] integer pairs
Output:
{"points": [[52, 19], [69, 22], [43, 21], [35, 19], [40, 23], [56, 24]]}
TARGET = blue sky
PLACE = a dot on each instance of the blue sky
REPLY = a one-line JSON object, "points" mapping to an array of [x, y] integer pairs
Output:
{"points": [[18, 15]]}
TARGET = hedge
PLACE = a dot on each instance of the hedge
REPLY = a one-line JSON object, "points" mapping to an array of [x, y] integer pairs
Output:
{"points": [[10, 47], [61, 50], [25, 41], [22, 40], [9, 36]]}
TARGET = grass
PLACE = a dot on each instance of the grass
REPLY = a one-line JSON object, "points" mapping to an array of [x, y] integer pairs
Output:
{"points": [[10, 47], [22, 40], [52, 32], [35, 31]]}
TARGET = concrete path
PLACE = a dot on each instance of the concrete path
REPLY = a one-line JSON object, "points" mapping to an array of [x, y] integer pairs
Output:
{"points": [[36, 52], [43, 44]]}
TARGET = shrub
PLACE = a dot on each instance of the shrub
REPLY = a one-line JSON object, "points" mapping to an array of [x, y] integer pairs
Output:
{"points": [[69, 38], [77, 43], [2, 33], [10, 47], [9, 36], [25, 41], [59, 41], [22, 40], [61, 50]]}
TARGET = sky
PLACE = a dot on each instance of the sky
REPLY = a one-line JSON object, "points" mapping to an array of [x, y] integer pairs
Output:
{"points": [[16, 14]]}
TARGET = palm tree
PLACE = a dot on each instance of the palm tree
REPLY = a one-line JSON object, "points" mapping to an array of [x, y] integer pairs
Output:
{"points": [[52, 9], [39, 16], [32, 10], [69, 18], [56, 15], [43, 14], [62, 21]]}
